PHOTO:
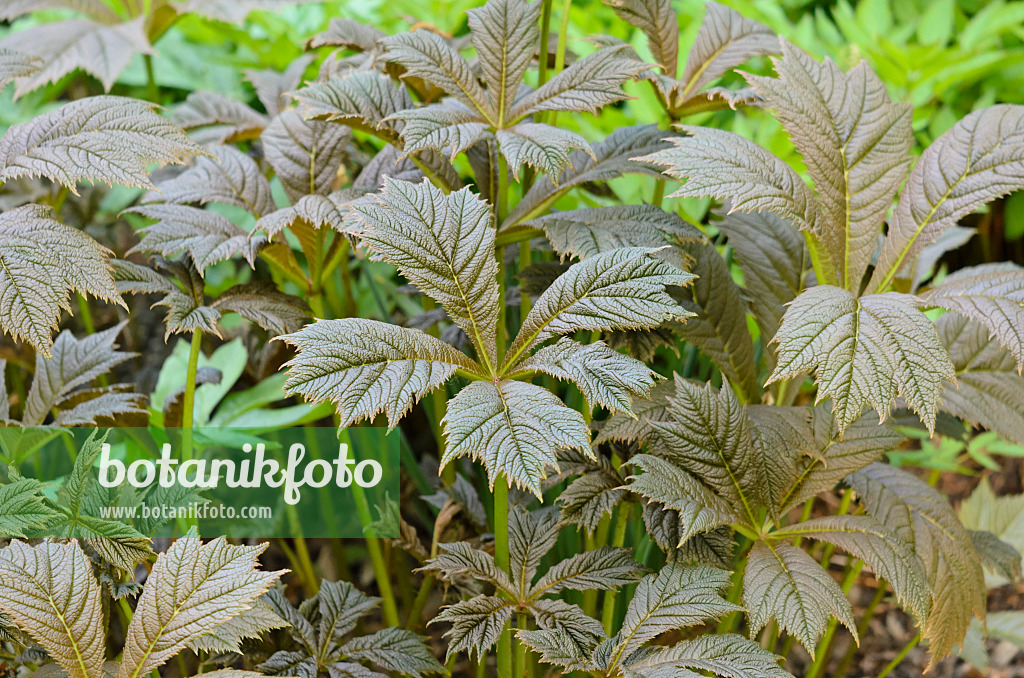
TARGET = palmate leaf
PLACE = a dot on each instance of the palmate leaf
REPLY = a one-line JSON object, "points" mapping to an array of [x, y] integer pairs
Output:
{"points": [[855, 142], [782, 582], [49, 591], [542, 147], [367, 366], [659, 24], [227, 176], [865, 351], [694, 507], [626, 429], [979, 159], [42, 262], [569, 621], [585, 232], [676, 597], [863, 442], [725, 165], [102, 50], [772, 254], [22, 507], [611, 158], [922, 517], [306, 154], [212, 118], [361, 99], [461, 558], [505, 34], [866, 538], [592, 495], [603, 569], [990, 390], [393, 649], [444, 245], [620, 289], [719, 328], [531, 535], [333, 211], [449, 127], [514, 428], [476, 624], [605, 377], [261, 303], [426, 55], [104, 138], [992, 294], [15, 65], [585, 86], [186, 312], [74, 364], [207, 236], [193, 588], [727, 655]]}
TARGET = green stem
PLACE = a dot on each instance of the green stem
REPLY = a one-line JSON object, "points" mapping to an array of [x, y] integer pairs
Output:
{"points": [[545, 32], [152, 91], [501, 558], [85, 313], [563, 30], [900, 657], [523, 668], [618, 539], [188, 405], [373, 546], [844, 508], [659, 193]]}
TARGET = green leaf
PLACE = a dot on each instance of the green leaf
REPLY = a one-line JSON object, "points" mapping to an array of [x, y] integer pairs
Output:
{"points": [[74, 365], [476, 624], [725, 40], [710, 438], [261, 303], [605, 377], [783, 582], [592, 230], [531, 534], [602, 569], [590, 83], [593, 495], [855, 142], [992, 294], [866, 538], [192, 589], [50, 593], [514, 428], [865, 351], [542, 147], [350, 34], [990, 390], [719, 328], [981, 158], [185, 312], [556, 646], [103, 50], [505, 34], [424, 54], [213, 118], [620, 289], [694, 507], [677, 597], [724, 165], [727, 655], [14, 65], [449, 127], [781, 439], [772, 255], [444, 244], [922, 517], [611, 158], [306, 154], [558, 616], [333, 211], [22, 507], [1002, 518], [228, 176], [104, 138], [863, 442], [627, 429], [364, 100], [659, 23], [462, 559], [208, 237], [366, 366], [42, 262], [395, 650]]}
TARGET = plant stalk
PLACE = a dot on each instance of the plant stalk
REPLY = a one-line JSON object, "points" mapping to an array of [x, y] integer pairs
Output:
{"points": [[188, 405], [501, 558], [618, 539], [900, 657], [563, 30]]}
